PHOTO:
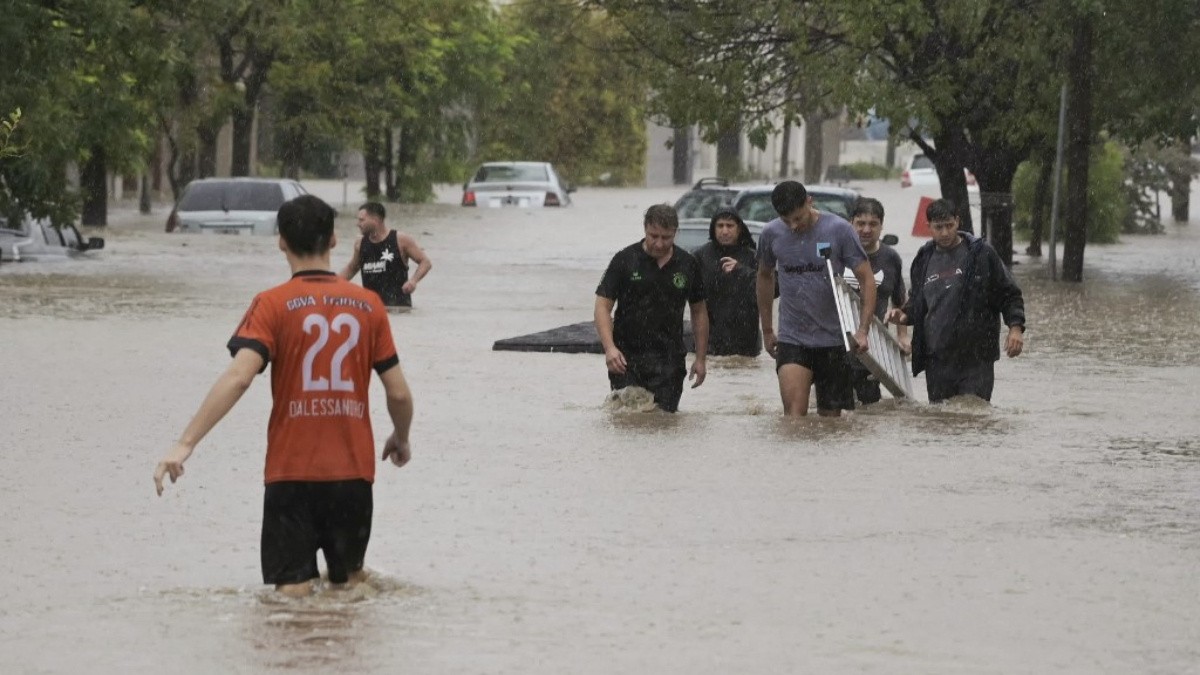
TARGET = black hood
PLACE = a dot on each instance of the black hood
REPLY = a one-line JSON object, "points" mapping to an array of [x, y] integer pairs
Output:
{"points": [[744, 238]]}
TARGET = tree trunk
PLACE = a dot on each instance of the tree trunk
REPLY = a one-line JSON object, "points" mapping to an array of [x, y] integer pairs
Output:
{"points": [[406, 162], [1040, 217], [93, 183], [371, 164], [995, 178], [291, 152], [786, 149], [243, 139], [814, 147], [1181, 187], [681, 156], [950, 158], [1079, 145], [156, 165], [729, 154], [890, 152], [206, 162], [389, 164], [144, 195]]}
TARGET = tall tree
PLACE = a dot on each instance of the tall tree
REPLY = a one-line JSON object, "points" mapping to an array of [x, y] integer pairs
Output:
{"points": [[568, 97]]}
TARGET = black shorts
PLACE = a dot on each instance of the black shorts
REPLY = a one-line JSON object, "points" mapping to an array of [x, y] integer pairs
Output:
{"points": [[300, 517], [662, 376], [831, 372], [945, 379], [866, 387]]}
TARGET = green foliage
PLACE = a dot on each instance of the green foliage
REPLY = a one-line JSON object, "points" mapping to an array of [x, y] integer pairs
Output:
{"points": [[8, 127], [1108, 199], [82, 72], [418, 70], [568, 98], [1149, 172]]}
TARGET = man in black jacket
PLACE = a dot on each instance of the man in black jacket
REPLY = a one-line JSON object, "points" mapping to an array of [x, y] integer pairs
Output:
{"points": [[729, 266], [960, 289]]}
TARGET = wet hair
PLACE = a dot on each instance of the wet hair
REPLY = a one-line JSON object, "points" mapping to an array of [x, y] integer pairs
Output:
{"points": [[662, 215], [744, 237], [788, 196], [941, 209], [306, 225], [865, 206], [374, 208]]}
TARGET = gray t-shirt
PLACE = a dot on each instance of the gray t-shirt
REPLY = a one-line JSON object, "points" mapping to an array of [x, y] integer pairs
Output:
{"points": [[889, 279], [943, 291], [807, 312]]}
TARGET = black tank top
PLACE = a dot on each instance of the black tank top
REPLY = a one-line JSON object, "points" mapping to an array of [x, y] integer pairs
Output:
{"points": [[384, 270]]}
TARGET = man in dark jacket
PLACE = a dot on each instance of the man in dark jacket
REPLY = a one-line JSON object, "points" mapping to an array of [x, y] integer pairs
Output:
{"points": [[729, 266], [960, 289]]}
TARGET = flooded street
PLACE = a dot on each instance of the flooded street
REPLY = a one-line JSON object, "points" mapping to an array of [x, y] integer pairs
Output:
{"points": [[536, 532]]}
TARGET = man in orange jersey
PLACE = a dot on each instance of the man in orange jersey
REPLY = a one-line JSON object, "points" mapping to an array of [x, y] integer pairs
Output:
{"points": [[323, 336]]}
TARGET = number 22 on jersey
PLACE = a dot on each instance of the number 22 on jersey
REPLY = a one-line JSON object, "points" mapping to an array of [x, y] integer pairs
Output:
{"points": [[344, 327]]}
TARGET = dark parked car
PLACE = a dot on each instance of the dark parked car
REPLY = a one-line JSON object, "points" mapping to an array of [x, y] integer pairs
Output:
{"points": [[705, 198], [754, 203]]}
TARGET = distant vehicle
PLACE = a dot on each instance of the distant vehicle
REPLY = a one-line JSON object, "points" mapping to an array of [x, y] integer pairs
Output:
{"points": [[705, 198], [232, 205], [753, 204], [921, 171], [517, 184], [34, 240], [693, 233]]}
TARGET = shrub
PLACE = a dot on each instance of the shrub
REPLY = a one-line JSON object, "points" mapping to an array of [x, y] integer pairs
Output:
{"points": [[1107, 198]]}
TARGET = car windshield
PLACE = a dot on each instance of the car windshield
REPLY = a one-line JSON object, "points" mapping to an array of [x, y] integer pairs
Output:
{"points": [[232, 197], [702, 203], [758, 206], [921, 162], [511, 173], [691, 238]]}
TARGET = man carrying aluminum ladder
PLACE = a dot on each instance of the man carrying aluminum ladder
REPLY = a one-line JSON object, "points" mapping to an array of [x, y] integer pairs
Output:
{"points": [[810, 347]]}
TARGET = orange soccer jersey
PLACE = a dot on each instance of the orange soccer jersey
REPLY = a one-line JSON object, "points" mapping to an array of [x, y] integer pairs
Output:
{"points": [[322, 336]]}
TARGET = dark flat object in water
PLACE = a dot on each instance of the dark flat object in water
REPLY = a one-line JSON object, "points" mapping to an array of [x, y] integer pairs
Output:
{"points": [[575, 338]]}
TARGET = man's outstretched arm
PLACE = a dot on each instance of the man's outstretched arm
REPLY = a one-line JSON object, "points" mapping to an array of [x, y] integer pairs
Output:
{"points": [[225, 393]]}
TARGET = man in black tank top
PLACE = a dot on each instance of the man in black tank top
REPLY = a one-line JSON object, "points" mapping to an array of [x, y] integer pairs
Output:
{"points": [[382, 255]]}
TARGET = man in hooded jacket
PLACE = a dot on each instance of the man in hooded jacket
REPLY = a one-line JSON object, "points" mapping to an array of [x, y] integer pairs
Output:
{"points": [[729, 265], [960, 290]]}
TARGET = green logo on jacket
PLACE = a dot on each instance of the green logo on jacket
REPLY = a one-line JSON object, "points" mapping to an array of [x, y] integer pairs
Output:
{"points": [[680, 280]]}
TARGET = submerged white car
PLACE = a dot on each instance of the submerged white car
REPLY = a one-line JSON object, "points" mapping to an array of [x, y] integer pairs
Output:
{"points": [[516, 184], [34, 240], [920, 172], [232, 205]]}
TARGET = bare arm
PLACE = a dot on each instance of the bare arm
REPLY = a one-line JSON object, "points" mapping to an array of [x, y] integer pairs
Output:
{"points": [[764, 291], [225, 393], [866, 287], [602, 317], [700, 333], [410, 248], [351, 267], [400, 409]]}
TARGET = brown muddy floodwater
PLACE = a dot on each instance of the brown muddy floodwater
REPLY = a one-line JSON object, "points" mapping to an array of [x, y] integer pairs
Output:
{"points": [[536, 532]]}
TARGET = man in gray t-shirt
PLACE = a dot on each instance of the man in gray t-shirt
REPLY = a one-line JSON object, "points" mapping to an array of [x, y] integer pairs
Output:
{"points": [[809, 348]]}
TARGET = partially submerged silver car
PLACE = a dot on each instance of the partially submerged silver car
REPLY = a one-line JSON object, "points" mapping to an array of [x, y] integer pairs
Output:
{"points": [[519, 184], [35, 240], [232, 205]]}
